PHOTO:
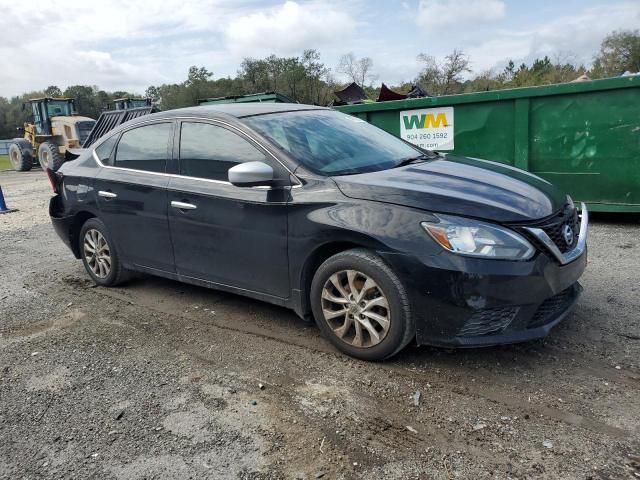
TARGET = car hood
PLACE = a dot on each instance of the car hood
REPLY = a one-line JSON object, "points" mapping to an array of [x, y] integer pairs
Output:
{"points": [[460, 186]]}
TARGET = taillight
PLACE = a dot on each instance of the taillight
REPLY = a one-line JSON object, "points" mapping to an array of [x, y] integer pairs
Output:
{"points": [[55, 179]]}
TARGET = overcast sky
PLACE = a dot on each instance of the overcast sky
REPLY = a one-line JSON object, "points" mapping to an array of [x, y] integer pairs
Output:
{"points": [[131, 44]]}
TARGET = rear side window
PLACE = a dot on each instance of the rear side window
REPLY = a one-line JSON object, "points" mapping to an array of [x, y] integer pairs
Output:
{"points": [[144, 148], [209, 151], [105, 149]]}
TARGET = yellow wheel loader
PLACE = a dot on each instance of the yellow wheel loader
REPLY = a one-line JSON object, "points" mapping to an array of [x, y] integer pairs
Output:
{"points": [[56, 128]]}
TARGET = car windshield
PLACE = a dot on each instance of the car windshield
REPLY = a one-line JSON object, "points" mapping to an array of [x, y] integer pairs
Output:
{"points": [[59, 108], [333, 143]]}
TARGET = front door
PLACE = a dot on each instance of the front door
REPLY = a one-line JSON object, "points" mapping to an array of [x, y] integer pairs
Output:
{"points": [[131, 194], [221, 233]]}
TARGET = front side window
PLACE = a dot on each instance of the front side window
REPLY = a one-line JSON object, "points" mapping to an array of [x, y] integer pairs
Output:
{"points": [[332, 143], [209, 151], [144, 148]]}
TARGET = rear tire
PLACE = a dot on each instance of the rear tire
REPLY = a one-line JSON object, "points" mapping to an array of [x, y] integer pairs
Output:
{"points": [[49, 156], [99, 255], [20, 155], [361, 305]]}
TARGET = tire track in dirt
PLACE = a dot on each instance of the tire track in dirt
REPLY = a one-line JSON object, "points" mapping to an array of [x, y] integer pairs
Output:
{"points": [[177, 307], [493, 394]]}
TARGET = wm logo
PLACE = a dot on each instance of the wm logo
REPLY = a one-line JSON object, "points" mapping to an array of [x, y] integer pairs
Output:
{"points": [[428, 120]]}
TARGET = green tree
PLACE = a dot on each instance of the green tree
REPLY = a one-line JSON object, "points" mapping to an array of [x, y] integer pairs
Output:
{"points": [[305, 78], [103, 99], [198, 84], [619, 52], [86, 102], [509, 71], [15, 112], [53, 91], [153, 93], [484, 82], [318, 83]]}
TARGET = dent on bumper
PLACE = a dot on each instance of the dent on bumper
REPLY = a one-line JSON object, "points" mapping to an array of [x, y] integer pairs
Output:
{"points": [[525, 325]]}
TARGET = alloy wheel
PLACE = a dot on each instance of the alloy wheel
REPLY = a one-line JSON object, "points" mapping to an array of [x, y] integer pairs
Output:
{"points": [[356, 308], [97, 253]]}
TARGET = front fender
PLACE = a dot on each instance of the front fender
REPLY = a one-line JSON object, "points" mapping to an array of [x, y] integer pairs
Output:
{"points": [[322, 222]]}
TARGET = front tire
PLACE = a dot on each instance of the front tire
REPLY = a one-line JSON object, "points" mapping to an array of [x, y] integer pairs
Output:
{"points": [[99, 255], [361, 305], [49, 156], [20, 155]]}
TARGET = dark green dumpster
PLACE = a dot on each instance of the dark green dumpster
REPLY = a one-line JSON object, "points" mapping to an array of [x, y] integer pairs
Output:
{"points": [[583, 136], [269, 97]]}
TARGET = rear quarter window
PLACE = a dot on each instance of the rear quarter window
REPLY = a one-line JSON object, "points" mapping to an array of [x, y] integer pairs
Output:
{"points": [[105, 149]]}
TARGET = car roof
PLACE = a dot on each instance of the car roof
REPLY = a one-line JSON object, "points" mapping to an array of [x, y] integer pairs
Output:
{"points": [[238, 110]]}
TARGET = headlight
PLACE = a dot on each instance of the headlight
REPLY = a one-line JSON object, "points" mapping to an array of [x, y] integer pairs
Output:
{"points": [[478, 239]]}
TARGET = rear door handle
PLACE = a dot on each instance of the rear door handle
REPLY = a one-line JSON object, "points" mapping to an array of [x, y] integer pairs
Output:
{"points": [[183, 205], [105, 194]]}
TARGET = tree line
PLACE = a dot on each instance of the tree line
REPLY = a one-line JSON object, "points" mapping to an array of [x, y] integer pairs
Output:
{"points": [[306, 79]]}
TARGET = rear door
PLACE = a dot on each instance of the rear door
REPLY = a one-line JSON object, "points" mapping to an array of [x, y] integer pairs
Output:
{"points": [[131, 190], [226, 234]]}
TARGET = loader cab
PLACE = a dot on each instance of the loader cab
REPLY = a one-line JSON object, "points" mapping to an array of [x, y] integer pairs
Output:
{"points": [[127, 103], [43, 109]]}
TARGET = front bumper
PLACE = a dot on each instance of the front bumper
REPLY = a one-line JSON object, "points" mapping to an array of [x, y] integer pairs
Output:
{"points": [[515, 324], [461, 301]]}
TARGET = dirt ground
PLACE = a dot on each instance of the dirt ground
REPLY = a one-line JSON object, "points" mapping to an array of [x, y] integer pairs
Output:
{"points": [[163, 380]]}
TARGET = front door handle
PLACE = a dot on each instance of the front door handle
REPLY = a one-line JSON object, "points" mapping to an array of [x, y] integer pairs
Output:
{"points": [[183, 205], [106, 194]]}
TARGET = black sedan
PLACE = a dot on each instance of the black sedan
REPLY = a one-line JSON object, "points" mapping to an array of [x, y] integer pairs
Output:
{"points": [[379, 241]]}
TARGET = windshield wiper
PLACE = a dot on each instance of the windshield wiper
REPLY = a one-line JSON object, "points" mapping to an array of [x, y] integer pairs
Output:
{"points": [[417, 159]]}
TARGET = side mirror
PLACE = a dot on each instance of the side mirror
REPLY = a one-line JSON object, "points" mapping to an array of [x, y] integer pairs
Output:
{"points": [[251, 174]]}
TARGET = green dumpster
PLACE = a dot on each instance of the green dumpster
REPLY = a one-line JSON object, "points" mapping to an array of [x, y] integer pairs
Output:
{"points": [[268, 97], [583, 136]]}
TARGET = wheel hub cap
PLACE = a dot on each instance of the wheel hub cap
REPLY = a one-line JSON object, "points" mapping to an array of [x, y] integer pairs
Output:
{"points": [[97, 253], [355, 308]]}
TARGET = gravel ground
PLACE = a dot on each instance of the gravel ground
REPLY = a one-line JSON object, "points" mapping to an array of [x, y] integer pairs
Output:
{"points": [[163, 380]]}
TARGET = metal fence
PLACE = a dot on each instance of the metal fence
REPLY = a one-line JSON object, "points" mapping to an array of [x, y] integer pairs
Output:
{"points": [[4, 147]]}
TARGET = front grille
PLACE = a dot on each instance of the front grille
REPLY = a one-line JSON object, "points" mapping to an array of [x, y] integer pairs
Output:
{"points": [[554, 227], [551, 307], [488, 321]]}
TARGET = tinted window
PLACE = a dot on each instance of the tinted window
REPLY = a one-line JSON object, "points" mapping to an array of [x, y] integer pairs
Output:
{"points": [[144, 148], [104, 150], [209, 151], [58, 108], [332, 143]]}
